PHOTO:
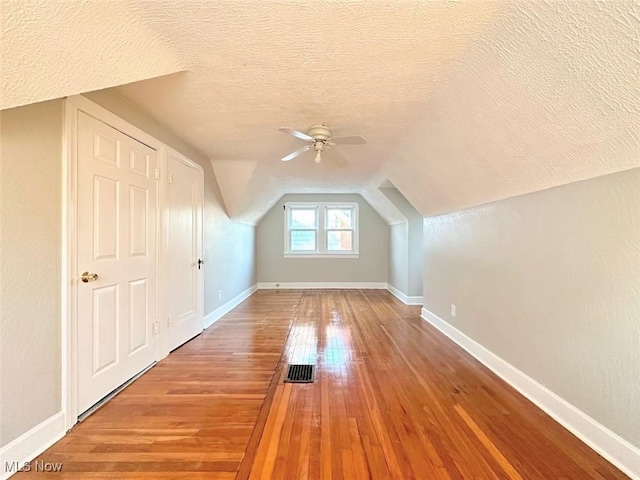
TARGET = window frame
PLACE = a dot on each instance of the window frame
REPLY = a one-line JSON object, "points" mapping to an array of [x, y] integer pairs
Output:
{"points": [[321, 230]]}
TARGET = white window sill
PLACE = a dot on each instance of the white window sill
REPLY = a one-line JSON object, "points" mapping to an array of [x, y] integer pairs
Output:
{"points": [[321, 255]]}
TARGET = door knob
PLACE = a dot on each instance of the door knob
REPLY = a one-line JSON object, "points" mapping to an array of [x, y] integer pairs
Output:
{"points": [[88, 277]]}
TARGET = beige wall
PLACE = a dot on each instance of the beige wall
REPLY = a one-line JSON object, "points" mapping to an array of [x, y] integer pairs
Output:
{"points": [[30, 259], [229, 247], [371, 266], [550, 282]]}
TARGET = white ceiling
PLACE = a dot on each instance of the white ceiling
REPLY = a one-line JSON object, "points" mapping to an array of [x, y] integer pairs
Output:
{"points": [[462, 102]]}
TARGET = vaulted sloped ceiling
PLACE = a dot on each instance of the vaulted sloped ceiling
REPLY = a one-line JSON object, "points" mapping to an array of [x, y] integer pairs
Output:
{"points": [[462, 103], [550, 95]]}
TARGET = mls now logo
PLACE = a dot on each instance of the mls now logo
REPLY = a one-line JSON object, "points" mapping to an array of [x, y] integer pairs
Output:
{"points": [[36, 466]]}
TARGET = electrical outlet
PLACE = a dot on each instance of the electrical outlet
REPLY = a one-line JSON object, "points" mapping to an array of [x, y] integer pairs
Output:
{"points": [[453, 310], [219, 294]]}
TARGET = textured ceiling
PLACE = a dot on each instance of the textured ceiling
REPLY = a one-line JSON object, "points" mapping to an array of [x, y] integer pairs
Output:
{"points": [[52, 48], [365, 68], [462, 102], [550, 95]]}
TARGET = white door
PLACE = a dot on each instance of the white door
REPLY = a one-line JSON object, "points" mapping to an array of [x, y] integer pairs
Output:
{"points": [[117, 204], [184, 251]]}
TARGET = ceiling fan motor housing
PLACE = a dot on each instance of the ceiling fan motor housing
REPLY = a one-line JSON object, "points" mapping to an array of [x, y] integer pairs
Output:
{"points": [[320, 132]]}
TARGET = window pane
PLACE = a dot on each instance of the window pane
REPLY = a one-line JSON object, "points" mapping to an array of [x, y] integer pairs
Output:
{"points": [[339, 217], [303, 218], [303, 240], [340, 241]]}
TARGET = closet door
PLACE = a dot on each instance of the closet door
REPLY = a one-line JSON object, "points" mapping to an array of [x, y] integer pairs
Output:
{"points": [[184, 250], [117, 202]]}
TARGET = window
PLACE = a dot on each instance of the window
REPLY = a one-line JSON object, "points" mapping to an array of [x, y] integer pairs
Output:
{"points": [[303, 229], [321, 229]]}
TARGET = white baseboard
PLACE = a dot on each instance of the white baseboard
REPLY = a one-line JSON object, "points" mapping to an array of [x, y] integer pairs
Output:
{"points": [[608, 444], [222, 310], [407, 300], [31, 444], [327, 285]]}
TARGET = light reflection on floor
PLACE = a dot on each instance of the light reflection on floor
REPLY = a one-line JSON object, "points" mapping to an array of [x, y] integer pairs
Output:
{"points": [[323, 339], [336, 354], [302, 345]]}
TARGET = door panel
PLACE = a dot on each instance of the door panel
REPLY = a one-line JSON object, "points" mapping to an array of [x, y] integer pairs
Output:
{"points": [[185, 193], [139, 207], [139, 162], [106, 217], [106, 148], [105, 327], [117, 203], [138, 308]]}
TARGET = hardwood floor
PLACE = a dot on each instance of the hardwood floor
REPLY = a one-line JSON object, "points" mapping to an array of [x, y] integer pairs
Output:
{"points": [[393, 398]]}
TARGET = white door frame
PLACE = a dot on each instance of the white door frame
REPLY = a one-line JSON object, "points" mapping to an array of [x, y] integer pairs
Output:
{"points": [[69, 273]]}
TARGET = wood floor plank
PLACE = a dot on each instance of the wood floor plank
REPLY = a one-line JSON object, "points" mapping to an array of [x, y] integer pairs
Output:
{"points": [[393, 399], [399, 400]]}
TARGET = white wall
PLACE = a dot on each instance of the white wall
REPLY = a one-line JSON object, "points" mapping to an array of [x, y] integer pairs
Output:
{"points": [[406, 273], [30, 253], [229, 247], [550, 282], [371, 266]]}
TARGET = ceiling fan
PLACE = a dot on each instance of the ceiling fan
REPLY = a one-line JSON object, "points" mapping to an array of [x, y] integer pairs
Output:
{"points": [[320, 141]]}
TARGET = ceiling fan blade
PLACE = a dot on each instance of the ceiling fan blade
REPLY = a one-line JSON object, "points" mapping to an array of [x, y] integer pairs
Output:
{"points": [[335, 157], [355, 140], [293, 155], [296, 133]]}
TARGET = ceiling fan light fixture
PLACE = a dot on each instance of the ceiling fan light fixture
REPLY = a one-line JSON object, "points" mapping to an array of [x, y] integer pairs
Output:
{"points": [[319, 139]]}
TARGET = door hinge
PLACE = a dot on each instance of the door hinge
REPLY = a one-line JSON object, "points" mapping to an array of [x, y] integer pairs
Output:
{"points": [[170, 178], [156, 328], [157, 174]]}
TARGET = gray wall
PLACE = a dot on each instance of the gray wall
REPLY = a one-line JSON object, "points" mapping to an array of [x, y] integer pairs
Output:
{"points": [[399, 256], [30, 259], [229, 247], [549, 282], [406, 274], [371, 266]]}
